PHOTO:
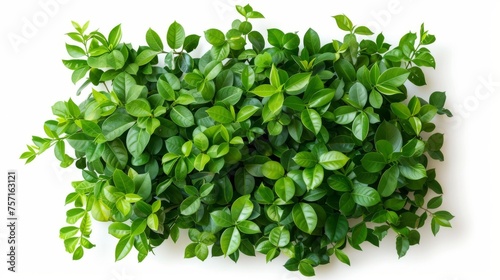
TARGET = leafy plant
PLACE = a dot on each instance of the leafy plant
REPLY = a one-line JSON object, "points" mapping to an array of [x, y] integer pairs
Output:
{"points": [[258, 146]]}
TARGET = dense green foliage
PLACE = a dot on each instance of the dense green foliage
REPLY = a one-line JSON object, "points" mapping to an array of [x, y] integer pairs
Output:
{"points": [[257, 145]]}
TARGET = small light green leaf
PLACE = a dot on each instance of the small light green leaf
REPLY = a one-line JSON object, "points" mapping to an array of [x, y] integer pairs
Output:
{"points": [[333, 160], [273, 170], [343, 22], [220, 114], [246, 112], [264, 90]]}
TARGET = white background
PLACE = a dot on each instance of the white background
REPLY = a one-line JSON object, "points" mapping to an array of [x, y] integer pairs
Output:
{"points": [[33, 79]]}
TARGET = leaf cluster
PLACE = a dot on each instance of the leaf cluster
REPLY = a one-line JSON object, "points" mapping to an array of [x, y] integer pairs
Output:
{"points": [[262, 144]]}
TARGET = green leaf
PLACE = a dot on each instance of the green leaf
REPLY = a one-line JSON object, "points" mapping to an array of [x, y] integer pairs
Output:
{"points": [[425, 59], [123, 182], [340, 183], [427, 113], [313, 177], [306, 268], [182, 116], [389, 181], [246, 112], [119, 230], [201, 251], [201, 161], [361, 126], [305, 159], [273, 170], [321, 98], [402, 245], [264, 90], [333, 160], [304, 217], [363, 30], [359, 233], [75, 51], [437, 99], [279, 236], [312, 41], [215, 37], [115, 125], [373, 162], [165, 90], [241, 209], [393, 77], [343, 22], [123, 247], [341, 256], [78, 254], [138, 226], [190, 205], [389, 132], [417, 76], [145, 56], [153, 40], [311, 120], [248, 227], [175, 36], [412, 170], [336, 227], [220, 114], [297, 83], [230, 240], [358, 95], [345, 70], [345, 114], [222, 218], [139, 108], [401, 110], [365, 196], [229, 95], [285, 188], [115, 36], [67, 232]]}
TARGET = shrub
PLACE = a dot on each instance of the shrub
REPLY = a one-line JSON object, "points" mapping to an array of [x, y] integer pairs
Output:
{"points": [[254, 146]]}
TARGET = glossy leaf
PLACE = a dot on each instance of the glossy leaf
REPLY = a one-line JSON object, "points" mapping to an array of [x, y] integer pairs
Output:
{"points": [[304, 217]]}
